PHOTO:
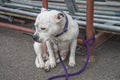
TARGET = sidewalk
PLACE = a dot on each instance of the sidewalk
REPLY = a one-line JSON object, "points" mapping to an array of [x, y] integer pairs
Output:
{"points": [[17, 60]]}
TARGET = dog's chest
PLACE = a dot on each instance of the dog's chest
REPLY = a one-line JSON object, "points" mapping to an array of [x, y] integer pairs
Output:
{"points": [[63, 45], [63, 48]]}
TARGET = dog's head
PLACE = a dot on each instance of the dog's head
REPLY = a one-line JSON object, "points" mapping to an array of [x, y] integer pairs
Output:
{"points": [[48, 24]]}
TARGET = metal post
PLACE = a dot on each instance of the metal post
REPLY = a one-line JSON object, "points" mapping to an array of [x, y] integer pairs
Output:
{"points": [[12, 19], [89, 23], [45, 4], [80, 41], [89, 18], [1, 2], [19, 28], [71, 5]]}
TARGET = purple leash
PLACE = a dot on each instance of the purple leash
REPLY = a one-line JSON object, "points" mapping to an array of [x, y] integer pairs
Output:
{"points": [[89, 42]]}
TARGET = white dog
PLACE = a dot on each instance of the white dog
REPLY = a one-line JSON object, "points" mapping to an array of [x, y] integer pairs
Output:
{"points": [[58, 26]]}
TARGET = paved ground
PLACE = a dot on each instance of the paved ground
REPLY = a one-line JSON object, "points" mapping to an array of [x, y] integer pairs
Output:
{"points": [[17, 60]]}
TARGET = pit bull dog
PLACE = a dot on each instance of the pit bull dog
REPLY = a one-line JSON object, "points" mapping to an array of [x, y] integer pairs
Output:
{"points": [[56, 26]]}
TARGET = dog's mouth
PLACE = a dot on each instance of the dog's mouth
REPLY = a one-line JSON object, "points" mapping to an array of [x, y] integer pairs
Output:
{"points": [[39, 41], [36, 38]]}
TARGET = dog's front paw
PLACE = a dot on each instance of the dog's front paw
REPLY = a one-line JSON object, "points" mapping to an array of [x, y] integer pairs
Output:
{"points": [[42, 64], [52, 64], [38, 63], [49, 64], [72, 63]]}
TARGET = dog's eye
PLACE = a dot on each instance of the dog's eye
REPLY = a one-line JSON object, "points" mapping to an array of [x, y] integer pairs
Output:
{"points": [[42, 28]]}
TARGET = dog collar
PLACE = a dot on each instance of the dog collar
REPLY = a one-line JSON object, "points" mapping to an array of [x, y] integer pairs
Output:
{"points": [[65, 29]]}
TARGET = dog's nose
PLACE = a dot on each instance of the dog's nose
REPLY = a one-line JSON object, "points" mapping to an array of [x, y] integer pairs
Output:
{"points": [[35, 37]]}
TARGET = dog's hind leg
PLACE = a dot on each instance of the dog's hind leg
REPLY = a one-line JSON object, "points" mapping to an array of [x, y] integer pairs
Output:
{"points": [[39, 60], [73, 45]]}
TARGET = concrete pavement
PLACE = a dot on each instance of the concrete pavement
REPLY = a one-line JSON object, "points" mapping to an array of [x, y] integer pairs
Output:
{"points": [[17, 60]]}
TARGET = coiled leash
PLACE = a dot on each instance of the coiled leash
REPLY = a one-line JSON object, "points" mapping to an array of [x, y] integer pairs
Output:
{"points": [[88, 42]]}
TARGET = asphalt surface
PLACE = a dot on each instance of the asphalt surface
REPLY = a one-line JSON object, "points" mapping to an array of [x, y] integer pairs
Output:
{"points": [[17, 60]]}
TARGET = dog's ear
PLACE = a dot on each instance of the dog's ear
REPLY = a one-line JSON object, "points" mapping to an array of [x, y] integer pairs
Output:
{"points": [[36, 23], [59, 17], [43, 9]]}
